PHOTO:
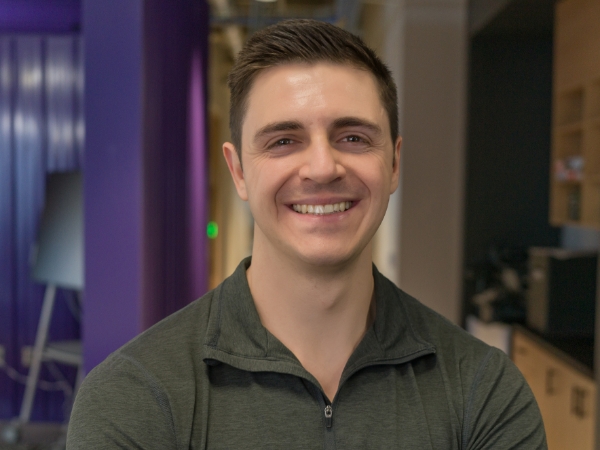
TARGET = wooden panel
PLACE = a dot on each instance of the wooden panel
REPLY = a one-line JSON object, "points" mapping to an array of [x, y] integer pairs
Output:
{"points": [[548, 385], [577, 42], [565, 396], [592, 104], [576, 114], [580, 421]]}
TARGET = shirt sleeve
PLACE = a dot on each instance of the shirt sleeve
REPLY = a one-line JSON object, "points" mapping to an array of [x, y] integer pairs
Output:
{"points": [[501, 411], [121, 406]]}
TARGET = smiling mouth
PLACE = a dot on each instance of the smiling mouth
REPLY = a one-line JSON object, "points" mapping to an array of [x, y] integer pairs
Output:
{"points": [[321, 210]]}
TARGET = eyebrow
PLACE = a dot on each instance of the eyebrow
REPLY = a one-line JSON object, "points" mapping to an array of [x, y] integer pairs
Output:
{"points": [[347, 122], [289, 125]]}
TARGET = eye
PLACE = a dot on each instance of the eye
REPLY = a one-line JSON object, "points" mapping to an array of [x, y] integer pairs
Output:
{"points": [[281, 142], [354, 139]]}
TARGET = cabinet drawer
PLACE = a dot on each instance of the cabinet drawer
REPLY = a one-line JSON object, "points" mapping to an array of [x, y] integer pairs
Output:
{"points": [[565, 396]]}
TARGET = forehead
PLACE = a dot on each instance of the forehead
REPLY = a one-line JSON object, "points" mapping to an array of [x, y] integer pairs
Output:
{"points": [[313, 92]]}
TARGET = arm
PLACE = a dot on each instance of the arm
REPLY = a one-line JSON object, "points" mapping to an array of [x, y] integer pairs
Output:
{"points": [[501, 411], [121, 405]]}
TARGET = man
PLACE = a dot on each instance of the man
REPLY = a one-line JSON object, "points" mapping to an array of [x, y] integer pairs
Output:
{"points": [[306, 345]]}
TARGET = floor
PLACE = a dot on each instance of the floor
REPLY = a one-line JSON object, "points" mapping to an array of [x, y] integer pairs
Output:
{"points": [[33, 436]]}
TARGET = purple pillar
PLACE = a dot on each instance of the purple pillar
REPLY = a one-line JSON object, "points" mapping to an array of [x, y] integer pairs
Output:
{"points": [[197, 180], [143, 147], [113, 191]]}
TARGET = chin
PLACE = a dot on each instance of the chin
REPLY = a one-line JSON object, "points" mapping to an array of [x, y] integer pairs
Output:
{"points": [[327, 252], [330, 260], [325, 262]]}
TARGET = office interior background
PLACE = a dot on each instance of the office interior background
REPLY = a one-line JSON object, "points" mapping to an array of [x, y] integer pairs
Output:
{"points": [[131, 97]]}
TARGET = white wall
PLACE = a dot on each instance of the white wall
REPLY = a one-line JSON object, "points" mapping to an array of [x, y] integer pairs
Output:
{"points": [[425, 44], [435, 79]]}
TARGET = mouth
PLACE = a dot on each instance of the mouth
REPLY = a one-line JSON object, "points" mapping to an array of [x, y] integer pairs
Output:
{"points": [[321, 210]]}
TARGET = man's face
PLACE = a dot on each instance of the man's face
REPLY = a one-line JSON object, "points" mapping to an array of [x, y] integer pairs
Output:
{"points": [[317, 162]]}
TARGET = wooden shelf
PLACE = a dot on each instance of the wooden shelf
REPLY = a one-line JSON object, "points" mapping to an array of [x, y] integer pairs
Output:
{"points": [[570, 128], [593, 178], [569, 107], [568, 183], [566, 202], [592, 149], [576, 114], [594, 99], [568, 143]]}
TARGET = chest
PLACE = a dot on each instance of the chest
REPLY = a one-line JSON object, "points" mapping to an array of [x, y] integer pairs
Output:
{"points": [[378, 407]]}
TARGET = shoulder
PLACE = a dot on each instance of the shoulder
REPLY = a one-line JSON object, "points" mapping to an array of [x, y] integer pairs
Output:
{"points": [[169, 345], [145, 391], [496, 405], [451, 342], [173, 336], [167, 352], [460, 356]]}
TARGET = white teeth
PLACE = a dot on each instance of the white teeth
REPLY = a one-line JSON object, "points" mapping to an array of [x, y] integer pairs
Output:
{"points": [[322, 209]]}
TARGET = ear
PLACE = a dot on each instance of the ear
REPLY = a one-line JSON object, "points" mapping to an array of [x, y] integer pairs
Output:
{"points": [[235, 168], [396, 166]]}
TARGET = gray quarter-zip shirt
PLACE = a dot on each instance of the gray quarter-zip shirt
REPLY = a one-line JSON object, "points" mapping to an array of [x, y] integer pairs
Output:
{"points": [[212, 377]]}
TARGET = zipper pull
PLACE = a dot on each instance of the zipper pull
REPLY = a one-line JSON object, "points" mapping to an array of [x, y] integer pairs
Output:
{"points": [[328, 416]]}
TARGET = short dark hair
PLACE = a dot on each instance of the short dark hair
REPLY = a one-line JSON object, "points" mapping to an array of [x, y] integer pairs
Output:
{"points": [[303, 41]]}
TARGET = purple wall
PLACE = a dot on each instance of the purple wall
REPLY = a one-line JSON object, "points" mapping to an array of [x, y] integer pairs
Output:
{"points": [[197, 180], [138, 175], [144, 175], [175, 33], [113, 175], [40, 16]]}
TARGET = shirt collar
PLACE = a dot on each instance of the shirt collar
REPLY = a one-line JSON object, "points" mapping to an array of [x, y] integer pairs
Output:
{"points": [[235, 335]]}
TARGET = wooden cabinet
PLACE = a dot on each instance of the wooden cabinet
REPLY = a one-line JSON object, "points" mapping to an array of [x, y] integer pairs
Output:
{"points": [[575, 178], [565, 392]]}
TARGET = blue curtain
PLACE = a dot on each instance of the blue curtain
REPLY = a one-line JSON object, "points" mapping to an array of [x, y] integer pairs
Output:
{"points": [[41, 131]]}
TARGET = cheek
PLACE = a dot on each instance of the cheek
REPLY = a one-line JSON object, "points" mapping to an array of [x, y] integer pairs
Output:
{"points": [[377, 180], [264, 182]]}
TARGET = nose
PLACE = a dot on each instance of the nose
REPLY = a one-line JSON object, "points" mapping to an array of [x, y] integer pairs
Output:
{"points": [[322, 164]]}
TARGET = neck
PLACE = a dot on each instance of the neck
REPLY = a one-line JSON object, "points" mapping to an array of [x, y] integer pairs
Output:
{"points": [[319, 313]]}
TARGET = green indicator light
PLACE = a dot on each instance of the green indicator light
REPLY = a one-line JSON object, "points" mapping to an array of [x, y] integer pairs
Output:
{"points": [[212, 230]]}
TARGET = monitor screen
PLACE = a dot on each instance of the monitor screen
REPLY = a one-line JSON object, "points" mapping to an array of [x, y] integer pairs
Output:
{"points": [[58, 257]]}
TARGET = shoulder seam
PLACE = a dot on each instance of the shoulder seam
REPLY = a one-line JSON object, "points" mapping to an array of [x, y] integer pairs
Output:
{"points": [[153, 381], [474, 385], [219, 300]]}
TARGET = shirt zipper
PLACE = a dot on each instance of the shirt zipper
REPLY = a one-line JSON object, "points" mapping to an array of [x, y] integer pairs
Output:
{"points": [[328, 413], [328, 416]]}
